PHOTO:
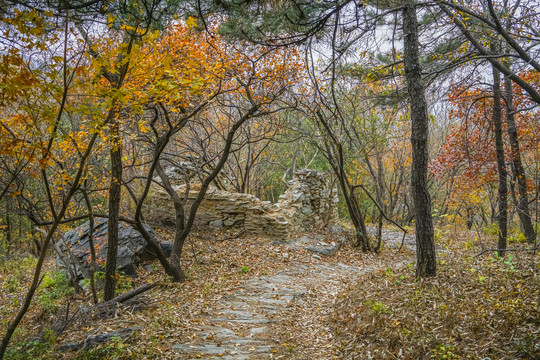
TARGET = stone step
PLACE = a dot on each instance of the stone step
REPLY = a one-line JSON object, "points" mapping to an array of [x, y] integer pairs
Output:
{"points": [[229, 351], [242, 320]]}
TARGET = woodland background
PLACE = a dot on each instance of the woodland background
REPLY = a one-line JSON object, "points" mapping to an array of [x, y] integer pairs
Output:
{"points": [[426, 113]]}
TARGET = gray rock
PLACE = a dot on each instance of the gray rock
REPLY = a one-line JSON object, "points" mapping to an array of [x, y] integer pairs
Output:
{"points": [[218, 332], [205, 349], [307, 210], [324, 250], [216, 223], [132, 248], [257, 331]]}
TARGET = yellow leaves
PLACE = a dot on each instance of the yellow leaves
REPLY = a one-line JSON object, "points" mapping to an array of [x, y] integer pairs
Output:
{"points": [[143, 128], [110, 20], [191, 22], [132, 29]]}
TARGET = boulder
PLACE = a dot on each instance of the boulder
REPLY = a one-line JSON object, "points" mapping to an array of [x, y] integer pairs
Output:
{"points": [[132, 248]]}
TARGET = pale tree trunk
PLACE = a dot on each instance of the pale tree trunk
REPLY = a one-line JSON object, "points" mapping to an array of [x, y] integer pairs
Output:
{"points": [[426, 264]]}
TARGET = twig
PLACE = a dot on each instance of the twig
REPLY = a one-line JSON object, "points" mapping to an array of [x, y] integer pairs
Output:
{"points": [[402, 241], [62, 326], [241, 232], [383, 214]]}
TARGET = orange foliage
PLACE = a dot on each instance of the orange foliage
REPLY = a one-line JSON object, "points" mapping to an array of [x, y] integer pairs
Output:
{"points": [[468, 158]]}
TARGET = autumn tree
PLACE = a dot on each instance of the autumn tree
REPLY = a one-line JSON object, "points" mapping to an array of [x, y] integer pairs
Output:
{"points": [[506, 23], [134, 21], [41, 143], [292, 22], [44, 106], [189, 97]]}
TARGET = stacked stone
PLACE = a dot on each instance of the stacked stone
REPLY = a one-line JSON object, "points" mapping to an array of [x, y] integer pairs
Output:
{"points": [[310, 201], [313, 197]]}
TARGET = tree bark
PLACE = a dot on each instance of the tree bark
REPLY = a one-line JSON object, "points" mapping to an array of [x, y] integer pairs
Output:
{"points": [[502, 215], [114, 211], [8, 227], [179, 220], [519, 171], [91, 224], [426, 264]]}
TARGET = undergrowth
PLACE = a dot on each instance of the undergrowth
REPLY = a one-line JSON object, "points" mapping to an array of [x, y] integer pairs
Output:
{"points": [[476, 308]]}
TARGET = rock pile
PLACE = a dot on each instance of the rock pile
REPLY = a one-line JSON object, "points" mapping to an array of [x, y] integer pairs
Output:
{"points": [[309, 202]]}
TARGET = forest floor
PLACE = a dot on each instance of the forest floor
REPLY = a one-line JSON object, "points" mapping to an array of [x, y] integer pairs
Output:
{"points": [[254, 298]]}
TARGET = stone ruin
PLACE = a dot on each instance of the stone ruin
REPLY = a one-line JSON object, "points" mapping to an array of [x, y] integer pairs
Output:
{"points": [[310, 202]]}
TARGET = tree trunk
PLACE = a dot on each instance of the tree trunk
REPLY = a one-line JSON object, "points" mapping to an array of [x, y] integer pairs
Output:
{"points": [[179, 222], [91, 224], [334, 154], [426, 264], [502, 215], [180, 238], [8, 224], [114, 211], [519, 171], [292, 169], [357, 218]]}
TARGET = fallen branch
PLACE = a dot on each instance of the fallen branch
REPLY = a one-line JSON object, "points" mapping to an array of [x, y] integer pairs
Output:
{"points": [[102, 308], [101, 338], [506, 250], [122, 298]]}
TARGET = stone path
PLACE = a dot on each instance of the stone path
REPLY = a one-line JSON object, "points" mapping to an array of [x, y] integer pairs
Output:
{"points": [[244, 324]]}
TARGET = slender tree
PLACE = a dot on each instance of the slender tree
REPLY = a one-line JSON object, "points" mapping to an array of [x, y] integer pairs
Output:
{"points": [[519, 174], [425, 245], [502, 214]]}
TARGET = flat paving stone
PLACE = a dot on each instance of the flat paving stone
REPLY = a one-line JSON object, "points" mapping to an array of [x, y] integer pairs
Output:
{"points": [[283, 301], [243, 321], [258, 331], [219, 332], [201, 349], [238, 313], [237, 330]]}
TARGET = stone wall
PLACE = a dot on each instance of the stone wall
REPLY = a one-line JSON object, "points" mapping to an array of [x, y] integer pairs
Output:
{"points": [[309, 202]]}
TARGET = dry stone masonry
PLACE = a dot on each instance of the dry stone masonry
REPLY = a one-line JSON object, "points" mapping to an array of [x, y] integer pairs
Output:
{"points": [[309, 202]]}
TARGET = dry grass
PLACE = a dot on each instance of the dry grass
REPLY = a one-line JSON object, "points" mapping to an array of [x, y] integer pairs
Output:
{"points": [[476, 308]]}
